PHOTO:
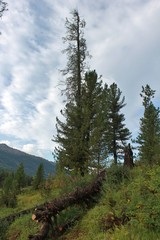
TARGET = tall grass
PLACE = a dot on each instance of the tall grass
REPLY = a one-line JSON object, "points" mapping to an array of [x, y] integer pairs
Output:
{"points": [[133, 193]]}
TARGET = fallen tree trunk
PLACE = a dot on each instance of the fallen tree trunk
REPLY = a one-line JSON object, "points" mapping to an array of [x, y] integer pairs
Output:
{"points": [[46, 213]]}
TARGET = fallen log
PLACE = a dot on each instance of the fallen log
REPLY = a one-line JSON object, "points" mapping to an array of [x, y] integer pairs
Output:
{"points": [[46, 213]]}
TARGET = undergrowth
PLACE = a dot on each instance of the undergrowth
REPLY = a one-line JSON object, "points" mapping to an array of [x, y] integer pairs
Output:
{"points": [[128, 210], [60, 185]]}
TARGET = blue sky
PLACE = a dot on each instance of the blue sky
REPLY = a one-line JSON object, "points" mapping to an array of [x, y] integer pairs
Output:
{"points": [[123, 37]]}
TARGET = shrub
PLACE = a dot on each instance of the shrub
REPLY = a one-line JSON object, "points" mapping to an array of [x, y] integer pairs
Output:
{"points": [[116, 174]]}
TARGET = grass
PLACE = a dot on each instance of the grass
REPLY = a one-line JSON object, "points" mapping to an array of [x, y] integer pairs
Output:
{"points": [[133, 193], [21, 228], [136, 194], [29, 198]]}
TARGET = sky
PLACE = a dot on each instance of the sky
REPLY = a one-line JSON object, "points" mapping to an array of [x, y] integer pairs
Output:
{"points": [[123, 37]]}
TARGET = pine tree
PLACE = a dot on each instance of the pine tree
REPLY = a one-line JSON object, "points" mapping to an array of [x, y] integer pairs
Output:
{"points": [[149, 135], [76, 52], [93, 125], [116, 132], [20, 177], [94, 106], [89, 142], [9, 191], [39, 177], [70, 151]]}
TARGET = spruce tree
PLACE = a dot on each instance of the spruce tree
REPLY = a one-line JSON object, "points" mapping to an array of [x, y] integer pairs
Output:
{"points": [[20, 177], [69, 150], [76, 52], [94, 106], [9, 191], [69, 133], [89, 143], [116, 132], [149, 135], [39, 177]]}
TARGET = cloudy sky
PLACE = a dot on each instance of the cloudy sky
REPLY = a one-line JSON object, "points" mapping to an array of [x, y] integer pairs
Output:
{"points": [[123, 37]]}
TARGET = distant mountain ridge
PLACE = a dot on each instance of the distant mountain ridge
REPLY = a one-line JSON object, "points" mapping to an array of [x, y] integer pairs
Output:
{"points": [[10, 158]]}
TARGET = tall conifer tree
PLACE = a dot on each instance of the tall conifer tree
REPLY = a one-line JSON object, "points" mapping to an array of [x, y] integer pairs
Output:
{"points": [[117, 133], [94, 107], [69, 134], [38, 180], [76, 52], [88, 142], [149, 134], [20, 177]]}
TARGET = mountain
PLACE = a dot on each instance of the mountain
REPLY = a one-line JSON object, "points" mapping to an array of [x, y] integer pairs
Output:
{"points": [[10, 159]]}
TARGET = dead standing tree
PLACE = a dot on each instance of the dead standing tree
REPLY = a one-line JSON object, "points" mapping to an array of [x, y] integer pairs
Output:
{"points": [[128, 157]]}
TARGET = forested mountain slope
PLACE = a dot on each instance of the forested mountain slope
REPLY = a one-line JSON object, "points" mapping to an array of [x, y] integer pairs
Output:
{"points": [[10, 159]]}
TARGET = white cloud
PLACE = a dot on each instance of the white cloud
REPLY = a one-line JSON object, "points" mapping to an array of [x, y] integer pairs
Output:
{"points": [[122, 36], [31, 149], [5, 142]]}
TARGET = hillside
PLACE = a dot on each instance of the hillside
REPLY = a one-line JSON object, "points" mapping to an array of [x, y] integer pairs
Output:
{"points": [[128, 208], [10, 158]]}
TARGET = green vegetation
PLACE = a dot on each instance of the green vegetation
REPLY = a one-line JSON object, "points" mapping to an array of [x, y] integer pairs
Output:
{"points": [[117, 133], [29, 198], [93, 130], [149, 135], [128, 210], [94, 125], [38, 180], [129, 207], [21, 228]]}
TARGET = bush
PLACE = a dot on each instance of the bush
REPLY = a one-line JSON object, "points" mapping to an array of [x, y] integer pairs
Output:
{"points": [[8, 199], [116, 174], [129, 208]]}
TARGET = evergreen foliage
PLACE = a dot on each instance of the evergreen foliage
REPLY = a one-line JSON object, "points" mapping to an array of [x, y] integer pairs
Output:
{"points": [[90, 143], [20, 177], [38, 180], [129, 208], [10, 158], [76, 52], [149, 134], [94, 126], [117, 133], [12, 184], [69, 134], [3, 175], [9, 192], [94, 119]]}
